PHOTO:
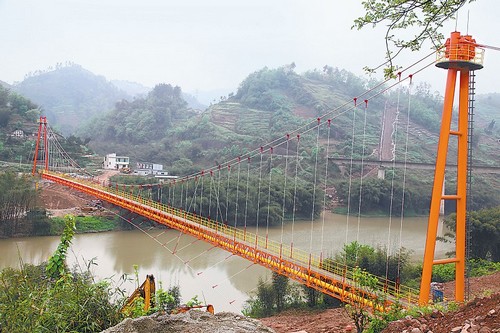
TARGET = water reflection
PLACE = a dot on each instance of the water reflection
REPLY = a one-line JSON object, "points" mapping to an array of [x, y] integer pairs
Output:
{"points": [[212, 274]]}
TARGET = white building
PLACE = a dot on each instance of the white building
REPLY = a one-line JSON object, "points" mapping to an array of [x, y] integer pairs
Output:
{"points": [[18, 133], [111, 161], [146, 169]]}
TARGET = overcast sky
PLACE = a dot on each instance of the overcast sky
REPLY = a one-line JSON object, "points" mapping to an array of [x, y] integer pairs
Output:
{"points": [[204, 45]]}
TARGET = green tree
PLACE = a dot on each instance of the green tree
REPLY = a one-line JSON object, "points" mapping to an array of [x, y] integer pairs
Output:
{"points": [[56, 266], [484, 232], [17, 197], [266, 298], [280, 286], [375, 261], [357, 311], [376, 196], [312, 296], [426, 17]]}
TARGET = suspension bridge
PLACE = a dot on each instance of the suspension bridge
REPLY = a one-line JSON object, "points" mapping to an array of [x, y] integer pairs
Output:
{"points": [[286, 179]]}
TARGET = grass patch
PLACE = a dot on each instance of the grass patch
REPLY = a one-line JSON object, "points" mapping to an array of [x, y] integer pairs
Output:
{"points": [[85, 224], [480, 267], [94, 223]]}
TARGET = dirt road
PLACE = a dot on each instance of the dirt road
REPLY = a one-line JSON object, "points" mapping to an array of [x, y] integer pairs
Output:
{"points": [[60, 200]]}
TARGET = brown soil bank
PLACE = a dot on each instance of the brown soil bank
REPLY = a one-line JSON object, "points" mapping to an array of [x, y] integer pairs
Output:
{"points": [[481, 315]]}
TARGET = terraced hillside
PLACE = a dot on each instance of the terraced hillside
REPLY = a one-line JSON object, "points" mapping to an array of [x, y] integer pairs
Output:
{"points": [[240, 119]]}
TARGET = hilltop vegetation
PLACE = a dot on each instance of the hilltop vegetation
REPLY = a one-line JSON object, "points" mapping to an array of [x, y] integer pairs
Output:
{"points": [[273, 102], [267, 104], [140, 128], [12, 104], [69, 94], [17, 113], [160, 127]]}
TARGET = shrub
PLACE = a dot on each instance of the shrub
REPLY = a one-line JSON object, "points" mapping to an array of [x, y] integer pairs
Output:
{"points": [[30, 301], [52, 298]]}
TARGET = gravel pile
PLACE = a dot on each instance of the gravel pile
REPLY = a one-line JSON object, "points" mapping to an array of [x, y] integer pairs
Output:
{"points": [[193, 321]]}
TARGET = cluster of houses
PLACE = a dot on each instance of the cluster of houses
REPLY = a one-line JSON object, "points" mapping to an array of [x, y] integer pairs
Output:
{"points": [[115, 162], [122, 163], [19, 134]]}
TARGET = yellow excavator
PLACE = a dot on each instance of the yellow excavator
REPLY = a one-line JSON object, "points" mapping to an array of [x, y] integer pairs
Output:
{"points": [[147, 291], [185, 308]]}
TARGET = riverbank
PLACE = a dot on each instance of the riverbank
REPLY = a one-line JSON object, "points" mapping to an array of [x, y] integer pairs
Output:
{"points": [[53, 202], [87, 224], [341, 210], [484, 289], [42, 225]]}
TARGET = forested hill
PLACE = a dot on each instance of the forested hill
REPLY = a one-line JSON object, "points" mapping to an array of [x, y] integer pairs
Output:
{"points": [[4, 84], [270, 103], [18, 116], [267, 103], [19, 128], [69, 95], [140, 128]]}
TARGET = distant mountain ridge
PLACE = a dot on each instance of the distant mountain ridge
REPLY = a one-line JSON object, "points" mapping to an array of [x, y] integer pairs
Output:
{"points": [[70, 95], [135, 89], [161, 127], [132, 89], [269, 102], [5, 84]]}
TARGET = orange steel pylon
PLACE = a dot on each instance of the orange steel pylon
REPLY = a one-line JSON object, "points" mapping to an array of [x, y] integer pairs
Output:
{"points": [[459, 57], [42, 133]]}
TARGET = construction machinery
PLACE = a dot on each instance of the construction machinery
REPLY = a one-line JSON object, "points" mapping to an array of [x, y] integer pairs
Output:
{"points": [[146, 290], [185, 308], [126, 170]]}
